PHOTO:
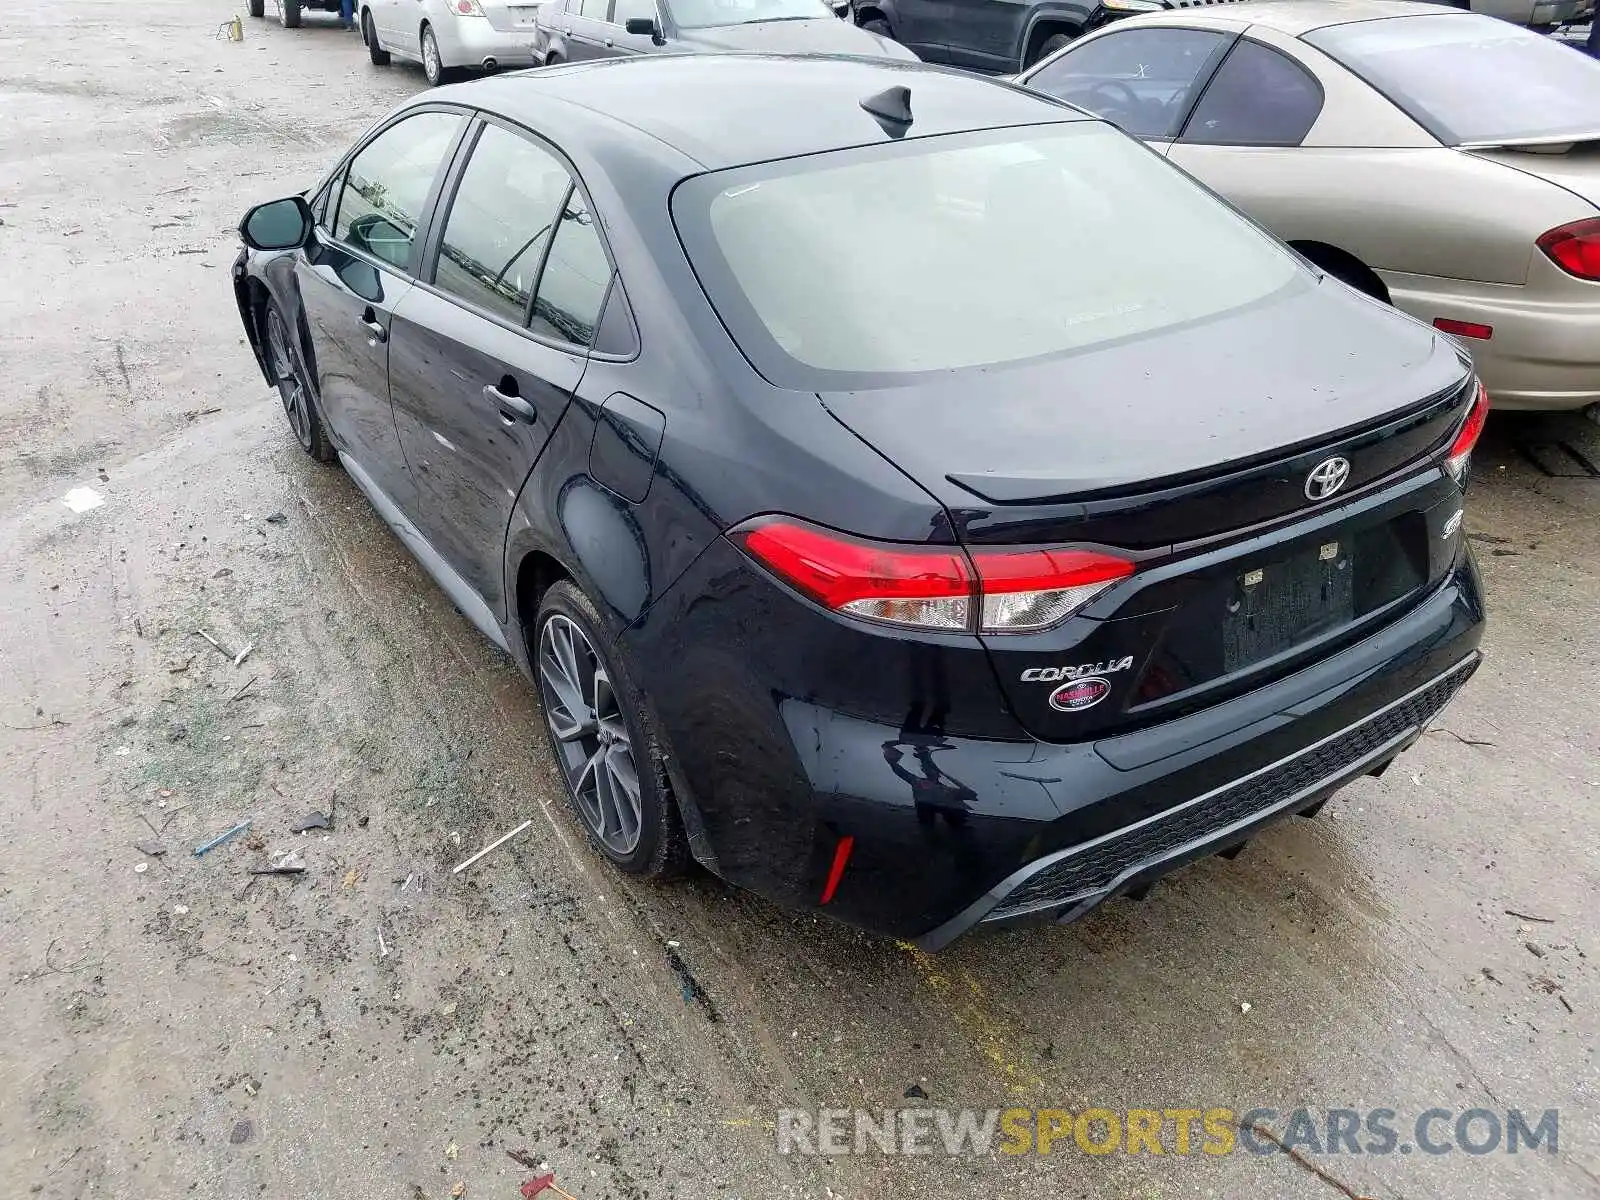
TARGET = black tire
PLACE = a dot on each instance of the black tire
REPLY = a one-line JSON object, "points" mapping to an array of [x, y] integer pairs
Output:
{"points": [[369, 35], [257, 8], [657, 848], [1049, 46], [552, 60], [295, 390], [289, 13], [880, 27], [433, 68]]}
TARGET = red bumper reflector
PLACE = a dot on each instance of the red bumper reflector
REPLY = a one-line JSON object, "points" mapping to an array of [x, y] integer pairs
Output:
{"points": [[1466, 329], [841, 856]]}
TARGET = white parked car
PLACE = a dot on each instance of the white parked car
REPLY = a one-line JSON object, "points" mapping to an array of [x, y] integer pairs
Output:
{"points": [[450, 36]]}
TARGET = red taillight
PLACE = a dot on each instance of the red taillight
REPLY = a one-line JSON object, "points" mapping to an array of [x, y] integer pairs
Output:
{"points": [[1575, 248], [928, 586], [931, 587], [1455, 460], [1466, 329]]}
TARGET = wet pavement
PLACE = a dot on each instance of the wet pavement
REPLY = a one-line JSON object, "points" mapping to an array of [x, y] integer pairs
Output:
{"points": [[379, 1027]]}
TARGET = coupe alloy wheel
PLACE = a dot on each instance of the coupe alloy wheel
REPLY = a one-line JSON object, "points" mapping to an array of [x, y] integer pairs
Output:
{"points": [[591, 736]]}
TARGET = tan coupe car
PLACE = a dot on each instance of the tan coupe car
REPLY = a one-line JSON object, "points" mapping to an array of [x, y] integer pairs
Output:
{"points": [[1446, 162]]}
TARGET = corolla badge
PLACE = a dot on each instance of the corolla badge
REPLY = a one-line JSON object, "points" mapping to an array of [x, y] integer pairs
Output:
{"points": [[1079, 694], [1327, 477]]}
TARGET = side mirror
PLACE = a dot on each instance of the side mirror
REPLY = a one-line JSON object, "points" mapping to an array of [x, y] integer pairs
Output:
{"points": [[277, 225], [645, 27]]}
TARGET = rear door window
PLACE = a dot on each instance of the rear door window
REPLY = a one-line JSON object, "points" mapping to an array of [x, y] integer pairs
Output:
{"points": [[387, 186], [577, 273], [499, 224], [1258, 97], [1141, 80]]}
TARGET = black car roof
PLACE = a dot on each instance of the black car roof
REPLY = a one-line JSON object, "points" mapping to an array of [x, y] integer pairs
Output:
{"points": [[724, 110]]}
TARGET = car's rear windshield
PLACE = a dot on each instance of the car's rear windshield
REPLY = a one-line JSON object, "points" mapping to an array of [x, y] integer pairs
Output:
{"points": [[841, 270], [1468, 79]]}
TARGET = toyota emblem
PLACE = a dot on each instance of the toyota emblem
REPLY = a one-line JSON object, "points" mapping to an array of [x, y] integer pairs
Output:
{"points": [[1327, 477]]}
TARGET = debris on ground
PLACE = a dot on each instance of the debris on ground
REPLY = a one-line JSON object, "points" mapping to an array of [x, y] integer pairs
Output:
{"points": [[140, 868], [1534, 949], [545, 1182], [1244, 1006], [452, 1151], [313, 820], [203, 847], [1522, 916], [241, 1133], [276, 518], [153, 849], [494, 845], [248, 684], [243, 654], [915, 1092], [288, 863], [459, 1190], [226, 653]]}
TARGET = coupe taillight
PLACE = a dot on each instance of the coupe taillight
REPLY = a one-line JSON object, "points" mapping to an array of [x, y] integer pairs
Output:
{"points": [[931, 587], [1575, 248], [1460, 452]]}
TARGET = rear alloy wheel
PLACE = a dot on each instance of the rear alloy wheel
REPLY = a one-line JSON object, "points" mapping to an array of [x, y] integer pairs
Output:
{"points": [[615, 775], [369, 35], [298, 404], [289, 13], [432, 65]]}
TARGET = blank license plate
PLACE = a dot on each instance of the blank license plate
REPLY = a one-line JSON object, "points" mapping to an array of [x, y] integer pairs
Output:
{"points": [[1278, 606]]}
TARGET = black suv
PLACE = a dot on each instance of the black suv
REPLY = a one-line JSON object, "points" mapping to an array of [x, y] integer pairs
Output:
{"points": [[1000, 36]]}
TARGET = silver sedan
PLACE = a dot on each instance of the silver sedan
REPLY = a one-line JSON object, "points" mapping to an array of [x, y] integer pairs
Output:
{"points": [[450, 36], [1442, 161]]}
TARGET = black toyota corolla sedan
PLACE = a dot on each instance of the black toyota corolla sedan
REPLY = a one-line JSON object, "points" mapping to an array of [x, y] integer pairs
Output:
{"points": [[915, 500]]}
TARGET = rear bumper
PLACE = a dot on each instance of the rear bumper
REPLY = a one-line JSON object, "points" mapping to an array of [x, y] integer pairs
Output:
{"points": [[1069, 883], [1545, 353], [947, 830], [467, 41]]}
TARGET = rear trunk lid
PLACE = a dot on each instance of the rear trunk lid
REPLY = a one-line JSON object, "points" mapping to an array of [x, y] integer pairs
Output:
{"points": [[1572, 165], [511, 16], [1191, 452]]}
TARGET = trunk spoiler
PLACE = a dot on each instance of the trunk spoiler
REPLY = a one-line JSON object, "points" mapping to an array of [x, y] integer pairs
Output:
{"points": [[1548, 144]]}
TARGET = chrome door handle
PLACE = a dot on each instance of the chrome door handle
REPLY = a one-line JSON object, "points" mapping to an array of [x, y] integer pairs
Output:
{"points": [[608, 43], [375, 331], [512, 408]]}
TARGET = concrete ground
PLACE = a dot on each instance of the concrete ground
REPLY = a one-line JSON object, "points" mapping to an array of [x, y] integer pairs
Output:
{"points": [[380, 1028]]}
